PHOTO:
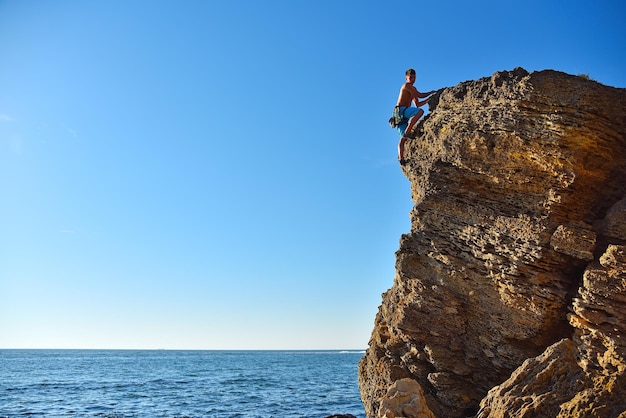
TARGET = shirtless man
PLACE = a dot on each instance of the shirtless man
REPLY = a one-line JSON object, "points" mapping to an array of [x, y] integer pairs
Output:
{"points": [[408, 95]]}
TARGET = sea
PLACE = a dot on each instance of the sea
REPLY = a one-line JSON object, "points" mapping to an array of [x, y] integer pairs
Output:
{"points": [[170, 383]]}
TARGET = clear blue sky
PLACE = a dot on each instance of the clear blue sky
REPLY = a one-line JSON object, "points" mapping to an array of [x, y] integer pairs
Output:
{"points": [[220, 174]]}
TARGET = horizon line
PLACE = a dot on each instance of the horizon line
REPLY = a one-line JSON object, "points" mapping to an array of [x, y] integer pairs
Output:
{"points": [[189, 349]]}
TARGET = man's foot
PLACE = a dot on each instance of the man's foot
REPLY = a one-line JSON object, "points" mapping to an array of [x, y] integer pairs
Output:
{"points": [[409, 135]]}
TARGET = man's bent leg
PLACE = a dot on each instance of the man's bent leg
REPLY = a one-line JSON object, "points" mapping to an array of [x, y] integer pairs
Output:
{"points": [[413, 121]]}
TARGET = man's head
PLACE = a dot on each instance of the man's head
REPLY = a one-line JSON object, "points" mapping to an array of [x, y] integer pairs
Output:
{"points": [[410, 75]]}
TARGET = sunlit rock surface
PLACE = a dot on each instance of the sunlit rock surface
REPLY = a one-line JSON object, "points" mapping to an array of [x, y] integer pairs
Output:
{"points": [[510, 292]]}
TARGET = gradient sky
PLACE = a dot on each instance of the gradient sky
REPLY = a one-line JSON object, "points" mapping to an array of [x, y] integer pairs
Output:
{"points": [[220, 174]]}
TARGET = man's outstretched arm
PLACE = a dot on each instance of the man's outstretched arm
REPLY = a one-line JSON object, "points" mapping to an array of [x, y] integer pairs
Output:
{"points": [[421, 95], [420, 104]]}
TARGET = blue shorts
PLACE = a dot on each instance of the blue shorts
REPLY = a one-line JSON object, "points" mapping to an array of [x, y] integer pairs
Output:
{"points": [[409, 112]]}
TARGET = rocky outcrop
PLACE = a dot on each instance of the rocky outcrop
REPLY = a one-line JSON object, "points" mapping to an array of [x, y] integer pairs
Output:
{"points": [[509, 298]]}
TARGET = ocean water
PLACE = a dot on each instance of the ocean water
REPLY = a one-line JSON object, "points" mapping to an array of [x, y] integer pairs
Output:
{"points": [[163, 383]]}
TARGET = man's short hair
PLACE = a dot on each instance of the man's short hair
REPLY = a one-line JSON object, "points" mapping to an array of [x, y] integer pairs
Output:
{"points": [[410, 71]]}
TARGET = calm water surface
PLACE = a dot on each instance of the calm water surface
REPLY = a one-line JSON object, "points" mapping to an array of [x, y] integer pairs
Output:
{"points": [[119, 383]]}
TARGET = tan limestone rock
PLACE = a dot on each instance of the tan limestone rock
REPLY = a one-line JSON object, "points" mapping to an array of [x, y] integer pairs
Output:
{"points": [[614, 225], [405, 398], [578, 242], [519, 183], [541, 384]]}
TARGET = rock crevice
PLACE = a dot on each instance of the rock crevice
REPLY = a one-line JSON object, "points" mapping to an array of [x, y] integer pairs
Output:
{"points": [[511, 281]]}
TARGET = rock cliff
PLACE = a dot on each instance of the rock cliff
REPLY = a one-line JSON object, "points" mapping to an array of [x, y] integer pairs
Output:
{"points": [[509, 298]]}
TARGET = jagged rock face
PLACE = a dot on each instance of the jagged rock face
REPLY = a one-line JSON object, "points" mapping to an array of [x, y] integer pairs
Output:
{"points": [[511, 284]]}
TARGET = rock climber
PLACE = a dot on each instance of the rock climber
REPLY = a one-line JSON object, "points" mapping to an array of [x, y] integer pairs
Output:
{"points": [[408, 95]]}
